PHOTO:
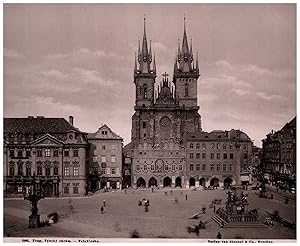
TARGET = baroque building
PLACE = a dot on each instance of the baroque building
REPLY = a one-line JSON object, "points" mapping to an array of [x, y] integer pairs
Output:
{"points": [[164, 112], [52, 149], [105, 165], [279, 156], [218, 158]]}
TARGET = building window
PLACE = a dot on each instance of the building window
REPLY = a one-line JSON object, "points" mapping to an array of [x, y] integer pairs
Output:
{"points": [[191, 155], [55, 170], [224, 167], [145, 91], [103, 146], [113, 158], [94, 158], [186, 90], [212, 156], [39, 153], [231, 156], [12, 153], [20, 169], [203, 167], [198, 167], [55, 152], [218, 156], [203, 155], [230, 167], [138, 167], [75, 190], [197, 146], [224, 146], [212, 167], [224, 156], [204, 146], [12, 171], [39, 170], [66, 152], [191, 167], [67, 171], [28, 153], [197, 155], [144, 124], [180, 167], [75, 171], [47, 152], [66, 190], [103, 159], [104, 132], [20, 153], [212, 145], [245, 155], [75, 152], [47, 170], [218, 167], [20, 189], [103, 171], [166, 167], [218, 146], [145, 167], [230, 146], [112, 146], [152, 167], [173, 167], [191, 146]]}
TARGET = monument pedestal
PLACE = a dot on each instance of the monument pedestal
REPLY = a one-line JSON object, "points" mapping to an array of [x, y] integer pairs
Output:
{"points": [[34, 221]]}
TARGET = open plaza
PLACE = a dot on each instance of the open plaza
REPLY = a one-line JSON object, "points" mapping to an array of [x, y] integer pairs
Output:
{"points": [[167, 217]]}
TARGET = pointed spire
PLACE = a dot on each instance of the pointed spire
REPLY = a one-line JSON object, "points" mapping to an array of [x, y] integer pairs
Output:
{"points": [[139, 52], [145, 59], [150, 53], [191, 51], [144, 45], [135, 65], [197, 65], [185, 46], [154, 64]]}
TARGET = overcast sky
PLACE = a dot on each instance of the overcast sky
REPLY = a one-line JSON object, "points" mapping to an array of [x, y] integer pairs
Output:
{"points": [[62, 60]]}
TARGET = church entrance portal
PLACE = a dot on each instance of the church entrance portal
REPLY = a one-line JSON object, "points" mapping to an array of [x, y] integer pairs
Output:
{"points": [[178, 182], [141, 182], [192, 182], [152, 182], [167, 182]]}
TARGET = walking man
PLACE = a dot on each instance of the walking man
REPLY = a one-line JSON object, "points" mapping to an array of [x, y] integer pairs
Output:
{"points": [[104, 202], [186, 197], [102, 209]]}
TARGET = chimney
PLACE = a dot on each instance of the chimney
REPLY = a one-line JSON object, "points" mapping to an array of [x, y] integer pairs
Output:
{"points": [[71, 120]]}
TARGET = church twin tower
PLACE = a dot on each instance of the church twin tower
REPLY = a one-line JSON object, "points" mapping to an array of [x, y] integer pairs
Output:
{"points": [[164, 112]]}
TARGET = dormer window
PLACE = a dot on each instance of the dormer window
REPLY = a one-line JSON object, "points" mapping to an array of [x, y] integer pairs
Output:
{"points": [[104, 132], [186, 90]]}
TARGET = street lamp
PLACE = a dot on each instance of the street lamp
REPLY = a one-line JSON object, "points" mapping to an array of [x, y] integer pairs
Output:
{"points": [[34, 196]]}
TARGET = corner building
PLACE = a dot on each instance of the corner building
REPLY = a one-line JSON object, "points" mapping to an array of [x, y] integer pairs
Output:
{"points": [[164, 112]]}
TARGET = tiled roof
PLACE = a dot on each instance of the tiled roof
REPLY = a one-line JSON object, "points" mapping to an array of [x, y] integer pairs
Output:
{"points": [[98, 135], [37, 125]]}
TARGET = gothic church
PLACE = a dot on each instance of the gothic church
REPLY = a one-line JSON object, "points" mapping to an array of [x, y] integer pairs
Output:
{"points": [[164, 112]]}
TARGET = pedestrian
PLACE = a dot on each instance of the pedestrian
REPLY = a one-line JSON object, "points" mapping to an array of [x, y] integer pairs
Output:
{"points": [[102, 209], [186, 197], [219, 235], [104, 202]]}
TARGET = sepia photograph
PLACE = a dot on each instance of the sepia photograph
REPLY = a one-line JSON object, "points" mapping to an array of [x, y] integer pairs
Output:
{"points": [[150, 122]]}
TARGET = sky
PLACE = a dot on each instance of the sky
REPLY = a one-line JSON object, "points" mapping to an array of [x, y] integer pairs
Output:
{"points": [[78, 59]]}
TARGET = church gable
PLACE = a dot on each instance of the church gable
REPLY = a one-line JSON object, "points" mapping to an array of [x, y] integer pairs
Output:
{"points": [[47, 140]]}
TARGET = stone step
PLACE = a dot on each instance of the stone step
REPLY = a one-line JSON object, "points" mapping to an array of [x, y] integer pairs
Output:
{"points": [[245, 225], [219, 220]]}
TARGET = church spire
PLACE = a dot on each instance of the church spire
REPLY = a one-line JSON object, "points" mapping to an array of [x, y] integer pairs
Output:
{"points": [[150, 53], [135, 65], [145, 57], [197, 65], [154, 64]]}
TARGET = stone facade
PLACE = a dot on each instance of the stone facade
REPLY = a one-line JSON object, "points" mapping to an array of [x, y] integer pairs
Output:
{"points": [[162, 117], [105, 159], [216, 158], [49, 147], [279, 155]]}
